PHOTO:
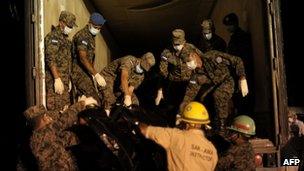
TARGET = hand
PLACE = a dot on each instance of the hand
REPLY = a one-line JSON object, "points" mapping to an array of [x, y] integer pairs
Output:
{"points": [[127, 100], [159, 97], [58, 85], [100, 80], [244, 87], [131, 89]]}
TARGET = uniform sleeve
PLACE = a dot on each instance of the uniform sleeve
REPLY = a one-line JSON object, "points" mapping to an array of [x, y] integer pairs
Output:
{"points": [[127, 64], [69, 117], [161, 136], [81, 43], [235, 61], [185, 72], [51, 50], [137, 81], [192, 89]]}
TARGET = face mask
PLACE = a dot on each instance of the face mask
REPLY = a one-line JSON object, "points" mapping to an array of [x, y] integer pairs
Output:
{"points": [[208, 36], [191, 65], [93, 30], [178, 47], [138, 69], [67, 30], [290, 119]]}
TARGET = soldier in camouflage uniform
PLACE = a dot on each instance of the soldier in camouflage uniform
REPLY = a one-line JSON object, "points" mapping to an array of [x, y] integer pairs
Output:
{"points": [[84, 55], [175, 73], [123, 76], [212, 75], [240, 155], [209, 39], [50, 139], [58, 60]]}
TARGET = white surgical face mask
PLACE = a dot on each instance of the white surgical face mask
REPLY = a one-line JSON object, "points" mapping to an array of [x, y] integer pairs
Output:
{"points": [[93, 30], [191, 64], [178, 47], [138, 69], [208, 36], [67, 30]]}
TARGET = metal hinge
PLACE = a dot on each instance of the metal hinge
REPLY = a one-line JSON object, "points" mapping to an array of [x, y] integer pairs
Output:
{"points": [[33, 18], [34, 72]]}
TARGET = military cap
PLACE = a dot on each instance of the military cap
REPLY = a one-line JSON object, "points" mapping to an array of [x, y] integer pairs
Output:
{"points": [[34, 111], [231, 19], [147, 61], [97, 19], [207, 26], [178, 36], [68, 18]]}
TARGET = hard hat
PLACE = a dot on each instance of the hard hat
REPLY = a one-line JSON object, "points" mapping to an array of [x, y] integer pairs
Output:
{"points": [[231, 19], [243, 124], [195, 113]]}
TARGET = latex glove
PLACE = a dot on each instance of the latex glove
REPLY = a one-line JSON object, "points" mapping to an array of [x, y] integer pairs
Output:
{"points": [[81, 98], [244, 87], [159, 97], [100, 80], [58, 85], [70, 86], [89, 101], [127, 100]]}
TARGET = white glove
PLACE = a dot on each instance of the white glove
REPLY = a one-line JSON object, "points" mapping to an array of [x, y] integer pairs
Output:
{"points": [[88, 101], [100, 80], [58, 85], [159, 97], [127, 100], [244, 87]]}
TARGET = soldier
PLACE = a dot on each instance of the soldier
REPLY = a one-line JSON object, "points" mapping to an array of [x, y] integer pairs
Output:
{"points": [[187, 149], [212, 75], [240, 155], [50, 139], [84, 55], [123, 76], [209, 39], [174, 71], [58, 61], [240, 45]]}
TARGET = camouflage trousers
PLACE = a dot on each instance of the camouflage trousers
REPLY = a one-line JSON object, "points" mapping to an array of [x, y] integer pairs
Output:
{"points": [[111, 93], [56, 101], [83, 84]]}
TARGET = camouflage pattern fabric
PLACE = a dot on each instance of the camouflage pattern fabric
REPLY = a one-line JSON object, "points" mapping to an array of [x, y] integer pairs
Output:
{"points": [[215, 43], [48, 143], [173, 66], [112, 72], [81, 78], [215, 77], [57, 53], [238, 158]]}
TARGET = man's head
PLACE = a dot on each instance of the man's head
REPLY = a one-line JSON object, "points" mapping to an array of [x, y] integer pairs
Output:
{"points": [[194, 115], [231, 21], [37, 116], [178, 39], [242, 128], [147, 61], [67, 21], [194, 61], [207, 28], [95, 23]]}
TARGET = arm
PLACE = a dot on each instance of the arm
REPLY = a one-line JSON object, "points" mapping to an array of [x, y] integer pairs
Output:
{"points": [[51, 50], [191, 92], [124, 81], [85, 62]]}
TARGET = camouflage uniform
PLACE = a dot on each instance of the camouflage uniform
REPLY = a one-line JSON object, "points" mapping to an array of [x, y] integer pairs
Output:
{"points": [[48, 143], [112, 72], [238, 158], [215, 76], [84, 40], [174, 70], [58, 54]]}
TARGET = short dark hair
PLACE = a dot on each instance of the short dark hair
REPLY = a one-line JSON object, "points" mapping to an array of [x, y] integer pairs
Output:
{"points": [[231, 19]]}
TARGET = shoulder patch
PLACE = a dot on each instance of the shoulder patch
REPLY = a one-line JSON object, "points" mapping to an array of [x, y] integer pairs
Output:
{"points": [[219, 59], [84, 42], [54, 41]]}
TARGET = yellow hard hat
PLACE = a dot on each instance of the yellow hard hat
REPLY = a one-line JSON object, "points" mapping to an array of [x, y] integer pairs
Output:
{"points": [[195, 113]]}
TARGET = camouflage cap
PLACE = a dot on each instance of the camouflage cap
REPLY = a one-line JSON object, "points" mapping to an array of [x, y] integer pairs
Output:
{"points": [[178, 36], [68, 18], [34, 111], [147, 61], [207, 26]]}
